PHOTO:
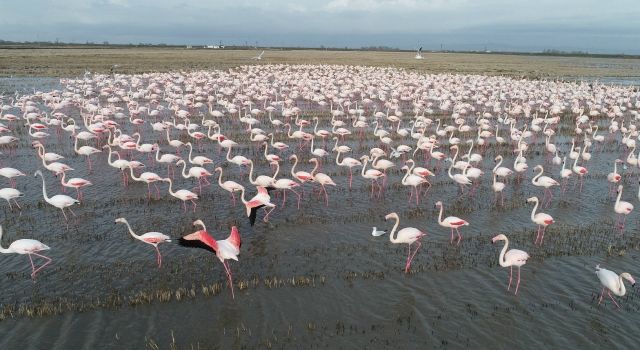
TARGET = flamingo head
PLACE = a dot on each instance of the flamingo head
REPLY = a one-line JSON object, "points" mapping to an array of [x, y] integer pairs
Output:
{"points": [[628, 277], [619, 188], [216, 169], [499, 237], [438, 204], [38, 172], [532, 199], [404, 168], [121, 220], [391, 216], [199, 223]]}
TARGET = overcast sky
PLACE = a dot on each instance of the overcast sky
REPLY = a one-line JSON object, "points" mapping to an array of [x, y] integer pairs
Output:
{"points": [[585, 25]]}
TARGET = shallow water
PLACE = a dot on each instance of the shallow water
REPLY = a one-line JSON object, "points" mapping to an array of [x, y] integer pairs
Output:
{"points": [[314, 277]]}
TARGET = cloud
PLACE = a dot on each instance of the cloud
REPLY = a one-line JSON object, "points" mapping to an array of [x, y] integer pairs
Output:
{"points": [[459, 24]]}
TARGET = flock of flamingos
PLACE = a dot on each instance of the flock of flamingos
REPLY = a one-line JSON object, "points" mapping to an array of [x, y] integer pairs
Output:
{"points": [[426, 125]]}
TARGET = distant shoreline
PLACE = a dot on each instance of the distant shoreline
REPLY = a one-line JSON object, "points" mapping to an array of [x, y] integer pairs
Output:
{"points": [[551, 53]]}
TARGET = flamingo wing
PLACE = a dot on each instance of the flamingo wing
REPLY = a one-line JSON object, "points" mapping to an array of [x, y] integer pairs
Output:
{"points": [[234, 237]]}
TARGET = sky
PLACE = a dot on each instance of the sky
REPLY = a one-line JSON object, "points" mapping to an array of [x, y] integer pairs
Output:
{"points": [[595, 26]]}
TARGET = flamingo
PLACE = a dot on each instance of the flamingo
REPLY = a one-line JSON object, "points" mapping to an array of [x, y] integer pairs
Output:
{"points": [[229, 186], [11, 174], [612, 282], [498, 188], [511, 258], [580, 171], [411, 179], [85, 151], [29, 247], [262, 199], [565, 174], [623, 209], [76, 183], [9, 194], [451, 222], [322, 179], [195, 171], [152, 238], [149, 178], [546, 182], [350, 163], [198, 160], [613, 178], [60, 201], [226, 249], [541, 219], [183, 195], [371, 174], [407, 235]]}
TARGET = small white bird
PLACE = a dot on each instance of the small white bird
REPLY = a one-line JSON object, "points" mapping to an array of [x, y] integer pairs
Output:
{"points": [[377, 233]]}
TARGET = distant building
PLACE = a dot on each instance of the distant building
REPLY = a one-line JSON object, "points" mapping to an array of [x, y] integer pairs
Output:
{"points": [[189, 47]]}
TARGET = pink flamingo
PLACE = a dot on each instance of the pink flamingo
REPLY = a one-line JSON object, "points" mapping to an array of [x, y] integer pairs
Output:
{"points": [[226, 249], [29, 247], [612, 282], [452, 222], [322, 179], [153, 238], [262, 199], [511, 258], [623, 209], [543, 220], [76, 183], [350, 163], [407, 235]]}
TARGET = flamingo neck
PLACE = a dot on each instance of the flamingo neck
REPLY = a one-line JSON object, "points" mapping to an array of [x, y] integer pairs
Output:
{"points": [[228, 154], [535, 178], [44, 189], [364, 165], [315, 168], [295, 162], [220, 176], [251, 179], [170, 187], [337, 159], [133, 234], [618, 197], [501, 260], [533, 212], [440, 214], [133, 176], [392, 238], [158, 154]]}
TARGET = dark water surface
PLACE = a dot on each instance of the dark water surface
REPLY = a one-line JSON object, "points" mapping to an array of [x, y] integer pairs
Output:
{"points": [[314, 277]]}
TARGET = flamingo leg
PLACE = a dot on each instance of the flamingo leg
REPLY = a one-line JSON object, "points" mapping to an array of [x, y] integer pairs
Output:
{"points": [[33, 274], [451, 240], [601, 295], [412, 256], [510, 277], [230, 277], [611, 297], [459, 235], [518, 283], [194, 205], [158, 256]]}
